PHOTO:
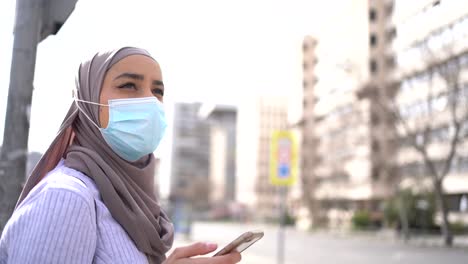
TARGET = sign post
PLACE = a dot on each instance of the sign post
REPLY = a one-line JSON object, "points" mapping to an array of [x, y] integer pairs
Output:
{"points": [[283, 173]]}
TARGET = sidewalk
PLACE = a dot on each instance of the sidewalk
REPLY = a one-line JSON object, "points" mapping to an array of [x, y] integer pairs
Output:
{"points": [[393, 237], [385, 235], [329, 246]]}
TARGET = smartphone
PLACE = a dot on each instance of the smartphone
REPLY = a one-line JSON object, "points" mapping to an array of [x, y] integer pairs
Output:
{"points": [[241, 243]]}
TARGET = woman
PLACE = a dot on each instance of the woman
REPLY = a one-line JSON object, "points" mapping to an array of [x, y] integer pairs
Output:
{"points": [[90, 199]]}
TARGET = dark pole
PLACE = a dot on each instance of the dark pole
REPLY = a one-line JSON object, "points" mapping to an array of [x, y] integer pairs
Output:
{"points": [[35, 20], [15, 140]]}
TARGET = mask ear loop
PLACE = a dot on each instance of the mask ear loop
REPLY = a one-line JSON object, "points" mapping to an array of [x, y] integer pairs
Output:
{"points": [[82, 111]]}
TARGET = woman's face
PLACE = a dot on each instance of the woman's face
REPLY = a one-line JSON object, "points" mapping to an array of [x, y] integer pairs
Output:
{"points": [[135, 76]]}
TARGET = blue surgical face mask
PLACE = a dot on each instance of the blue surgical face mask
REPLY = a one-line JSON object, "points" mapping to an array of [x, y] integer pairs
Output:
{"points": [[136, 126]]}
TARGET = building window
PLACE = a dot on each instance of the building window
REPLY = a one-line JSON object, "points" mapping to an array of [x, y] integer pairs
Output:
{"points": [[389, 8], [375, 120], [375, 146], [373, 66], [391, 34], [373, 40], [390, 62], [314, 79], [375, 173], [314, 60], [372, 14], [304, 84]]}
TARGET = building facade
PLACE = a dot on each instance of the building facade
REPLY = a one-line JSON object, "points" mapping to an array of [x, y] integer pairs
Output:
{"points": [[378, 92], [351, 155], [308, 135], [190, 156], [360, 156], [431, 48], [222, 120]]}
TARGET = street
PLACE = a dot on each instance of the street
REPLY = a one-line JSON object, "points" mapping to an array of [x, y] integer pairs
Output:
{"points": [[307, 248]]}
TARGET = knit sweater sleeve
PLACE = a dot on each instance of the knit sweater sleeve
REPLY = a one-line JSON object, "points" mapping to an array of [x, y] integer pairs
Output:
{"points": [[58, 226]]}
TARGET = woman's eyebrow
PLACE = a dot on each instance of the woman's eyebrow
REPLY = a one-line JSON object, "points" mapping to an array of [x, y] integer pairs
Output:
{"points": [[158, 82], [130, 75]]}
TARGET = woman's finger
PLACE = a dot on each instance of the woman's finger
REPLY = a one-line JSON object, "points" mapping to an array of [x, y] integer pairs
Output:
{"points": [[233, 257], [230, 258], [196, 249]]}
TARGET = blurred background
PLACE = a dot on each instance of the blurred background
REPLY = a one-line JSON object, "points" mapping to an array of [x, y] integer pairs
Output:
{"points": [[373, 92]]}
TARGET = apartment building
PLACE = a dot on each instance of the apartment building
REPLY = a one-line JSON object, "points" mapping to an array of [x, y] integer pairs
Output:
{"points": [[222, 120], [344, 126], [190, 157], [431, 48]]}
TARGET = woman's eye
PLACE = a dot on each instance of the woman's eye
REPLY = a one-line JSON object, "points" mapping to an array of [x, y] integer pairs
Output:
{"points": [[128, 85], [158, 91]]}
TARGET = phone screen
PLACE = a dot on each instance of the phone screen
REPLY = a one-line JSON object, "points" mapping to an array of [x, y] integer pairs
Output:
{"points": [[241, 243]]}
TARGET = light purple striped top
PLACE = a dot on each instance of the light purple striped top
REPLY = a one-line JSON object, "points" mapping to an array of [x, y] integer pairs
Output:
{"points": [[63, 220]]}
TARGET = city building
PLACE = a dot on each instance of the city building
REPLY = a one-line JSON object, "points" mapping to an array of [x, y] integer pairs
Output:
{"points": [[190, 157], [222, 121], [378, 92], [432, 36], [308, 135], [345, 143], [257, 119]]}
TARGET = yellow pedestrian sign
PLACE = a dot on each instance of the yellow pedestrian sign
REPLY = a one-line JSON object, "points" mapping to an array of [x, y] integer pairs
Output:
{"points": [[283, 158]]}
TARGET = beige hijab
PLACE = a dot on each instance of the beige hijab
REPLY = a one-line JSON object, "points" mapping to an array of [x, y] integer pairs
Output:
{"points": [[126, 187]]}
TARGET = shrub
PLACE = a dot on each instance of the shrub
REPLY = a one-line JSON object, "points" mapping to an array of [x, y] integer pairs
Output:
{"points": [[390, 212], [289, 220], [361, 219], [459, 228], [419, 208]]}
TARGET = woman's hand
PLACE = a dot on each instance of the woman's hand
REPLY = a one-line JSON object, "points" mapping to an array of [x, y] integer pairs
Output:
{"points": [[183, 255]]}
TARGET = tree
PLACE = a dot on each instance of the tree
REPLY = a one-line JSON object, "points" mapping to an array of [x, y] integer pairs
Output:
{"points": [[438, 115]]}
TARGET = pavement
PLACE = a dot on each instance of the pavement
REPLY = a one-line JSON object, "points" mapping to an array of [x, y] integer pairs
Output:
{"points": [[460, 241], [325, 247]]}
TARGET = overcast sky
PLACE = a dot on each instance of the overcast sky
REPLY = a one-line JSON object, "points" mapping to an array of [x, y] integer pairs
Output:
{"points": [[209, 50]]}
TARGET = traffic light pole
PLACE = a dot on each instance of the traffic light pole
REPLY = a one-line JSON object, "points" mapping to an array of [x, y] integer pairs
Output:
{"points": [[14, 150]]}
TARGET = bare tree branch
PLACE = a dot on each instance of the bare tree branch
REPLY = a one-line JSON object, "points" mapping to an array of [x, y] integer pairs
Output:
{"points": [[442, 62], [452, 78]]}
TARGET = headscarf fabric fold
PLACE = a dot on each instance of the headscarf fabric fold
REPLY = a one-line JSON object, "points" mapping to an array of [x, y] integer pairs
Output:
{"points": [[126, 188]]}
